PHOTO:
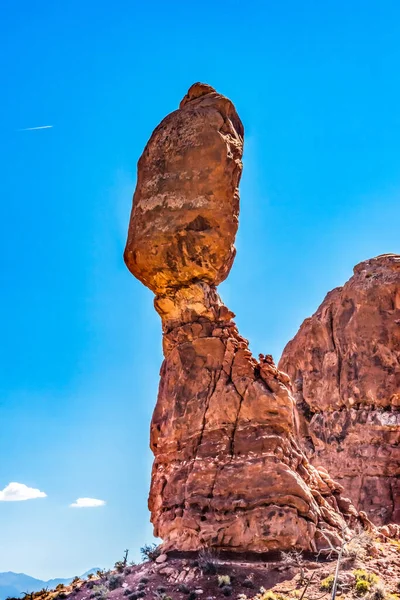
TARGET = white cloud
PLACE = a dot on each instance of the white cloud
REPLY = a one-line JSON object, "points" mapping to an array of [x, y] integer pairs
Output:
{"points": [[15, 492], [36, 128], [87, 503]]}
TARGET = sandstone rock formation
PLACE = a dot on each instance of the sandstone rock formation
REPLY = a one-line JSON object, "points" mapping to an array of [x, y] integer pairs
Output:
{"points": [[228, 471], [345, 365]]}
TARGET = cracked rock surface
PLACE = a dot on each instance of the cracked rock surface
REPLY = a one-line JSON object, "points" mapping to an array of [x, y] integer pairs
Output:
{"points": [[228, 471], [345, 365]]}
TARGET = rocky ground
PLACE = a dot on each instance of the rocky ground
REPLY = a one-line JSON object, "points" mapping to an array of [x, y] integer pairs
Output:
{"points": [[374, 575]]}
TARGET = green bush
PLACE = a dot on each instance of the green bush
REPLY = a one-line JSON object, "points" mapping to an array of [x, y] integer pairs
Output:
{"points": [[363, 575], [362, 586], [327, 583]]}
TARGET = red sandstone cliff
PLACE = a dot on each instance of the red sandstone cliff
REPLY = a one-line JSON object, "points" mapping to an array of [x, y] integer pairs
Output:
{"points": [[228, 471], [345, 365]]}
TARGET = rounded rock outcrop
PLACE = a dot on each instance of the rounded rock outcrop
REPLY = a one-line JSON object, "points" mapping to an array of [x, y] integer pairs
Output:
{"points": [[345, 365]]}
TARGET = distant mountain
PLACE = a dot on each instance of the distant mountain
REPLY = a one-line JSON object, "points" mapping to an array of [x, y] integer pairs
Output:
{"points": [[15, 584]]}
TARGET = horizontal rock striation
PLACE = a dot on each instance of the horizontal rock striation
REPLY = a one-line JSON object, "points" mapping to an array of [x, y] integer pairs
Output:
{"points": [[228, 471], [345, 365]]}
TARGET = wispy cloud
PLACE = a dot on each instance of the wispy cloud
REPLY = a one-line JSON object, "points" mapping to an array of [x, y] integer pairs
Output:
{"points": [[15, 492], [87, 503], [36, 128]]}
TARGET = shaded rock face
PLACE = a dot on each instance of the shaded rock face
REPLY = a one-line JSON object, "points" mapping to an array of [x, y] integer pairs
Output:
{"points": [[345, 365], [228, 471]]}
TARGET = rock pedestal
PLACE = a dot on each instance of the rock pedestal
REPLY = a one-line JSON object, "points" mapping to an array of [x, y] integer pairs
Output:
{"points": [[228, 471]]}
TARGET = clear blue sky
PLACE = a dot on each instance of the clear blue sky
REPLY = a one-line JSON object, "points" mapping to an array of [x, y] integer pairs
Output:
{"points": [[317, 87]]}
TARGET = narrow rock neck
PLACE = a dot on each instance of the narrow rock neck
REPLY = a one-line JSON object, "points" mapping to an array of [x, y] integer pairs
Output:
{"points": [[182, 308]]}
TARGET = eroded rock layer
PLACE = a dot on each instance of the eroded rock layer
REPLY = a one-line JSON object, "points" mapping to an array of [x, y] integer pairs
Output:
{"points": [[345, 365], [228, 471]]}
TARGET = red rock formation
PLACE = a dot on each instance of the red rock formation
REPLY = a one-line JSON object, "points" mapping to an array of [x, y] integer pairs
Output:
{"points": [[228, 471], [345, 362]]}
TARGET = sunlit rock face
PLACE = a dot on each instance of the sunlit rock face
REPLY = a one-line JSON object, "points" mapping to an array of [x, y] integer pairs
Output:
{"points": [[186, 204], [345, 365], [228, 471]]}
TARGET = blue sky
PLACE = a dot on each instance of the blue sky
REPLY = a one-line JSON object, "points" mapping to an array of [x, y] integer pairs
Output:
{"points": [[317, 87]]}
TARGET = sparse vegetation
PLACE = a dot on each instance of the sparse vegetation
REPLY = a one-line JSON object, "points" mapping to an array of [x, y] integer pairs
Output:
{"points": [[327, 583], [294, 559], [100, 592], [207, 561], [150, 552], [248, 582], [378, 592], [226, 590], [365, 581], [120, 565], [224, 580], [362, 586], [115, 581]]}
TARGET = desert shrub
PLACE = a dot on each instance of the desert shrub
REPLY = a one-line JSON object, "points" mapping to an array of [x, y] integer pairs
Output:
{"points": [[192, 595], [268, 595], [141, 586], [362, 586], [160, 589], [224, 580], [100, 592], [207, 561], [127, 591], [363, 575], [327, 583], [90, 576], [378, 592], [60, 586], [115, 582], [357, 547], [226, 590], [144, 580], [248, 582], [150, 552], [140, 594], [183, 588], [75, 580], [294, 558], [90, 585]]}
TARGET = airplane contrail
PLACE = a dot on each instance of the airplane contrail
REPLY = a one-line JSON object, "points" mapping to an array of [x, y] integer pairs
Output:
{"points": [[35, 128]]}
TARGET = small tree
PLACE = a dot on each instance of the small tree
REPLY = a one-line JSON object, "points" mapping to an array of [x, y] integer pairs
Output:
{"points": [[358, 540]]}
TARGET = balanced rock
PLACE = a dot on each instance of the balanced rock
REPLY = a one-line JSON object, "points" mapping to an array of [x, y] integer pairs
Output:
{"points": [[186, 204], [345, 365], [228, 471]]}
